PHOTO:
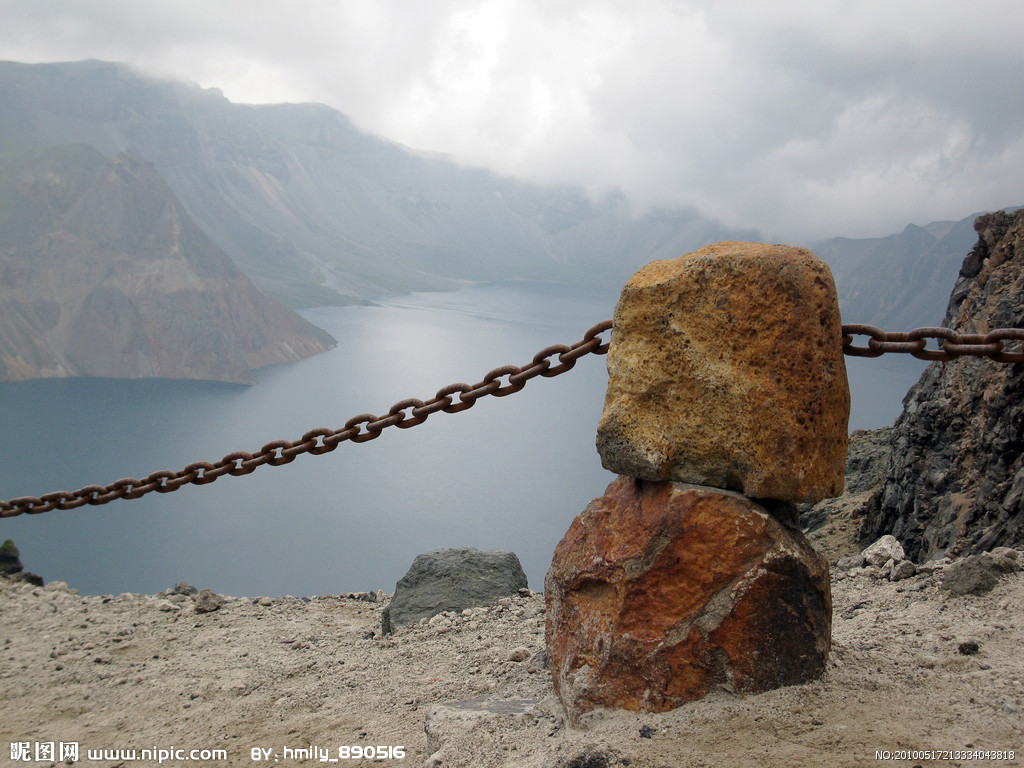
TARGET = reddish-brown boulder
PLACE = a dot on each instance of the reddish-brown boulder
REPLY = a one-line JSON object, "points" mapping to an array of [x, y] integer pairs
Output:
{"points": [[660, 591]]}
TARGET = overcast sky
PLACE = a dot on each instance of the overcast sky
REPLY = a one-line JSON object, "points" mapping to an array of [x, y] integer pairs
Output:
{"points": [[802, 118]]}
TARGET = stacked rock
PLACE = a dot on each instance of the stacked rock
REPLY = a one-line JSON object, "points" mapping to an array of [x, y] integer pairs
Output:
{"points": [[727, 403]]}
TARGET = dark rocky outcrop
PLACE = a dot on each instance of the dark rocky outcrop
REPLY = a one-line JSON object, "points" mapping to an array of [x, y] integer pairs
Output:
{"points": [[11, 567], [955, 482], [867, 460], [10, 559], [102, 273], [452, 580]]}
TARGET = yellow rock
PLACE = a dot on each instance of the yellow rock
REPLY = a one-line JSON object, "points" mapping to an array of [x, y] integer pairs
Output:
{"points": [[726, 369]]}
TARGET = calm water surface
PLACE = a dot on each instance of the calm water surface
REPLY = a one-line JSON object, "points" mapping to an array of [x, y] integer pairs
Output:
{"points": [[510, 473]]}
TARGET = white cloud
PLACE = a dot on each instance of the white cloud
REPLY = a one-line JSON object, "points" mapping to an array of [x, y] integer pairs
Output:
{"points": [[802, 118]]}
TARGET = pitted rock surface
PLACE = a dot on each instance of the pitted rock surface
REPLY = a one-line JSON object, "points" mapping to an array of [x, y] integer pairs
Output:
{"points": [[661, 591], [726, 369]]}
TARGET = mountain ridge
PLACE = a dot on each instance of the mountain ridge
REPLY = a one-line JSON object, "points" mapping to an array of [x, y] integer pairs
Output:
{"points": [[317, 212], [899, 281]]}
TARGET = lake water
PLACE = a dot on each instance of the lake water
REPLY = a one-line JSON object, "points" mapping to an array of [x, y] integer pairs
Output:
{"points": [[510, 473]]}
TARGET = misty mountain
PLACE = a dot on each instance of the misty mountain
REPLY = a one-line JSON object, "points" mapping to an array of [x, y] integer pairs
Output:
{"points": [[901, 281], [103, 273], [317, 212]]}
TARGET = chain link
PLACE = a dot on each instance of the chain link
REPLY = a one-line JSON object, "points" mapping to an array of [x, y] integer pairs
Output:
{"points": [[459, 397], [952, 344], [358, 429]]}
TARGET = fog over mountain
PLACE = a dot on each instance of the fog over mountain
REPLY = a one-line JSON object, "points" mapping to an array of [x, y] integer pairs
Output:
{"points": [[316, 212], [801, 119]]}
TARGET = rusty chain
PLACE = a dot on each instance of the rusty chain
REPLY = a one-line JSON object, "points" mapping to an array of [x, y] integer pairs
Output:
{"points": [[410, 412], [358, 429], [952, 344]]}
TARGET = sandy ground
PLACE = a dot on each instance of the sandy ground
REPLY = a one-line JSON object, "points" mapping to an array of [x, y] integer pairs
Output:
{"points": [[284, 674]]}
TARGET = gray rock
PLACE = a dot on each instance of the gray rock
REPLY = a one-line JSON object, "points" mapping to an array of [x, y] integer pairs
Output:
{"points": [[61, 586], [452, 580], [1008, 553], [590, 758], [11, 567], [849, 563], [867, 458], [977, 574], [27, 577], [368, 597], [519, 654], [184, 588], [207, 601], [883, 550], [868, 571], [903, 570], [1002, 564]]}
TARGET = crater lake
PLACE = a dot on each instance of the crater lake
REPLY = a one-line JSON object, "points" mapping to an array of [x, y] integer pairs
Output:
{"points": [[511, 473]]}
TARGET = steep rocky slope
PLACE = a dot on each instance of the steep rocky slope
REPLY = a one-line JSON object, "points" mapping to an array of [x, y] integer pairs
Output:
{"points": [[102, 273], [955, 481]]}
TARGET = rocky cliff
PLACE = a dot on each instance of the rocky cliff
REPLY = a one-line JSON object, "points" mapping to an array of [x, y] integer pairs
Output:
{"points": [[103, 273], [955, 481]]}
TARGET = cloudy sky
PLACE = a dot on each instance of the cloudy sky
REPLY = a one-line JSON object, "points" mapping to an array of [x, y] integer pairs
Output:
{"points": [[802, 118]]}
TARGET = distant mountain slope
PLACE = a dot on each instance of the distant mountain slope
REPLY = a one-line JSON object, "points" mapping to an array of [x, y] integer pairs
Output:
{"points": [[317, 212], [901, 281], [103, 273]]}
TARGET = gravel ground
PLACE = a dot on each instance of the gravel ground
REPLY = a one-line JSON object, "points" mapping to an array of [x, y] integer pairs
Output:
{"points": [[284, 674]]}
